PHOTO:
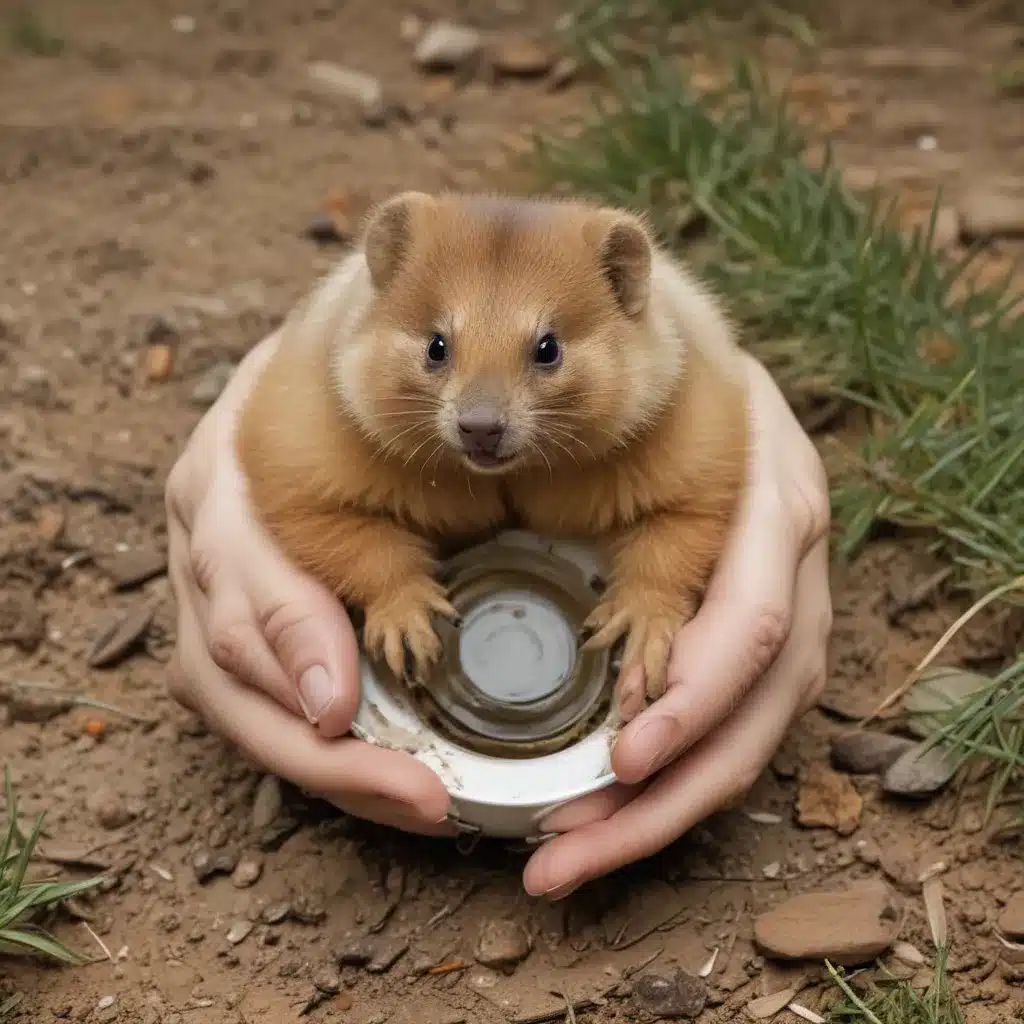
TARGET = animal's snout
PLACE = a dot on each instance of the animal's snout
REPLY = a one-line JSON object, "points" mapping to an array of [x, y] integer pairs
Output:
{"points": [[481, 429]]}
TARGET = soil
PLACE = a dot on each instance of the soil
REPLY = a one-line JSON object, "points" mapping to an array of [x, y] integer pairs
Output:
{"points": [[158, 179]]}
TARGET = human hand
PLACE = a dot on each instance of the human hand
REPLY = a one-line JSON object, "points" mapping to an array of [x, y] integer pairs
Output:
{"points": [[752, 660], [264, 653]]}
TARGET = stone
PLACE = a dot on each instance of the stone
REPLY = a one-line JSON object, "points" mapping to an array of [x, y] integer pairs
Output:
{"points": [[919, 772], [502, 943], [1011, 920], [266, 802], [119, 636], [207, 389], [239, 932], [848, 927], [247, 872], [681, 995], [351, 85], [864, 752], [522, 57], [132, 568], [935, 693], [107, 808], [327, 979], [157, 363], [988, 212], [445, 46], [21, 622], [828, 799]]}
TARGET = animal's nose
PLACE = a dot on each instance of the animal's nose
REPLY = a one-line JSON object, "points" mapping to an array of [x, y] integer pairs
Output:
{"points": [[481, 429]]}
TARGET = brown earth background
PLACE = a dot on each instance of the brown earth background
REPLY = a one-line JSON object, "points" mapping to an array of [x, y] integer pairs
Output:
{"points": [[157, 180]]}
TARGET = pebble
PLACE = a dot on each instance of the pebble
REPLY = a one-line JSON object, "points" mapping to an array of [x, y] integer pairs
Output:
{"points": [[446, 45], [353, 951], [106, 1002], [972, 877], [239, 932], [275, 913], [522, 57], [246, 873], [918, 773], [21, 622], [206, 864], [848, 927], [119, 636], [354, 86], [1011, 920], [681, 995], [132, 568], [107, 808], [502, 943], [867, 753], [157, 363], [266, 802], [991, 211], [211, 383], [829, 799], [935, 693], [327, 979]]}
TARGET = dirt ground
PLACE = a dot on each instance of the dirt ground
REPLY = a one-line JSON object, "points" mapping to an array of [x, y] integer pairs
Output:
{"points": [[156, 183]]}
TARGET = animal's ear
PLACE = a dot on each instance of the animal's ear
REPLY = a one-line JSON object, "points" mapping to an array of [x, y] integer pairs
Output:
{"points": [[388, 234], [625, 254]]}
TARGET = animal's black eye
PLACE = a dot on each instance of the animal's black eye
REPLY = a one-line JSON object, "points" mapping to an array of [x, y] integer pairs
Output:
{"points": [[437, 350], [548, 352]]}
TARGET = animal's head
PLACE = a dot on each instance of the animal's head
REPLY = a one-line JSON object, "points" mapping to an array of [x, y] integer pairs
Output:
{"points": [[502, 332]]}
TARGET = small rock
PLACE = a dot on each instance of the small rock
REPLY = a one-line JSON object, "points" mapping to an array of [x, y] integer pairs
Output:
{"points": [[351, 85], [867, 753], [50, 523], [990, 211], [211, 383], [522, 57], [935, 693], [21, 622], [868, 852], [120, 636], [239, 932], [157, 363], [1011, 920], [307, 910], [829, 799], [353, 951], [37, 707], [919, 772], [325, 230], [445, 46], [132, 568], [266, 802], [106, 1002], [848, 927], [225, 862], [502, 943], [202, 866], [682, 995], [247, 873], [328, 980], [107, 808], [275, 913]]}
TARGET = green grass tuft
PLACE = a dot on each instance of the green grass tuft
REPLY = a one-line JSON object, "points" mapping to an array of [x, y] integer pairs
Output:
{"points": [[21, 901], [896, 1001]]}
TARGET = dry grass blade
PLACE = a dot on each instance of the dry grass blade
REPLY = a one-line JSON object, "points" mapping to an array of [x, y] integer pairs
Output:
{"points": [[935, 909]]}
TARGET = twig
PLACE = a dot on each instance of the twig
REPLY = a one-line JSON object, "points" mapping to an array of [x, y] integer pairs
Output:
{"points": [[448, 909], [940, 645], [570, 1013], [99, 942]]}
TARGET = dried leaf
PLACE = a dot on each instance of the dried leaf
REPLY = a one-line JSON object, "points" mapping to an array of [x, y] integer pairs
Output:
{"points": [[935, 910], [907, 953], [768, 1006], [802, 1011]]}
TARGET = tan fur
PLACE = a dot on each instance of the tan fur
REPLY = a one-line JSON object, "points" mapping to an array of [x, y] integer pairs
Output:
{"points": [[637, 441]]}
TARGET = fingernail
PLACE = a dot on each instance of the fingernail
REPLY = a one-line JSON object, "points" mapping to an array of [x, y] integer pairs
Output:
{"points": [[316, 692], [559, 892], [660, 737]]}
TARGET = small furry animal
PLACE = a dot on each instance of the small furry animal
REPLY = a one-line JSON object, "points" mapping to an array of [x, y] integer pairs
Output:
{"points": [[481, 362]]}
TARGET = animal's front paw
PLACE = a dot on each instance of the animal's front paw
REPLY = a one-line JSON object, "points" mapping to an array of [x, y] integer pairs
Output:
{"points": [[398, 629], [650, 620]]}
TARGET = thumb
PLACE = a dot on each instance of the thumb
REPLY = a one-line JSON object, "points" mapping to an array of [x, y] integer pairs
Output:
{"points": [[310, 635]]}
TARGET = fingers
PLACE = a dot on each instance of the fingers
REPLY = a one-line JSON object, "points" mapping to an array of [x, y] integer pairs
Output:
{"points": [[589, 808], [384, 785], [721, 767], [730, 643], [270, 625]]}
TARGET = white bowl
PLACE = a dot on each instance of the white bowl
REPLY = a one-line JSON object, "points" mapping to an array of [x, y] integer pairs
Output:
{"points": [[491, 793]]}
